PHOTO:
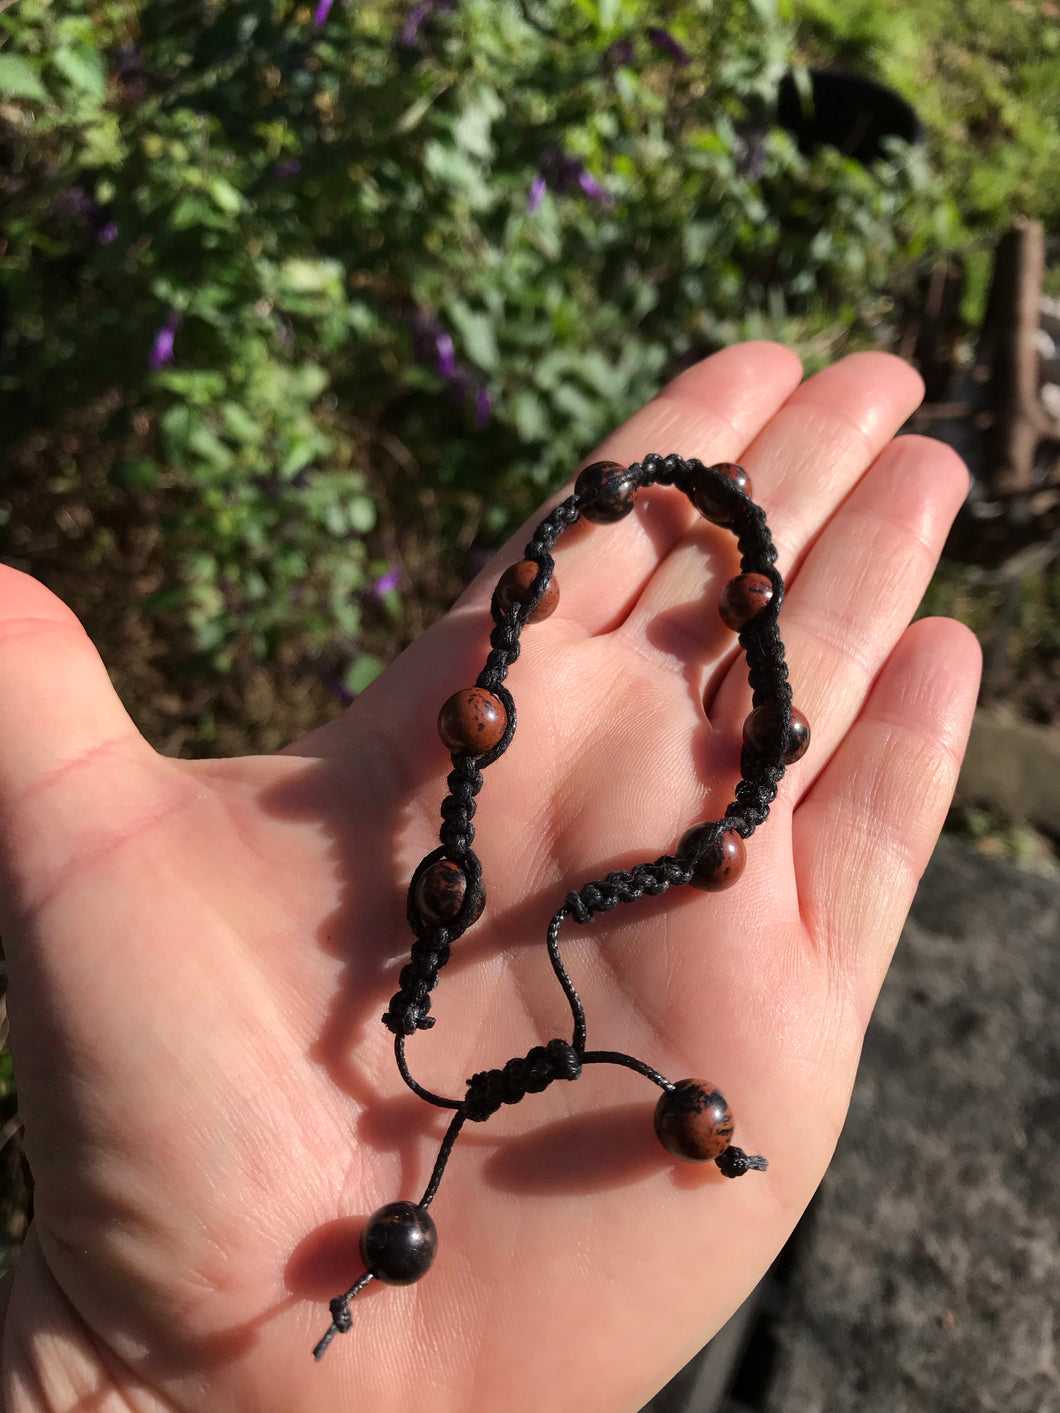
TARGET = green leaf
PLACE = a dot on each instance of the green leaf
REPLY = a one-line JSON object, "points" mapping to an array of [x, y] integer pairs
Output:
{"points": [[205, 442], [225, 196], [19, 80], [82, 67], [361, 514], [301, 276], [363, 672], [529, 415], [476, 334], [242, 426], [136, 475], [303, 451]]}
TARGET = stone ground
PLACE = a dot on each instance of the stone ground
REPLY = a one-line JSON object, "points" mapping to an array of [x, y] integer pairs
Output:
{"points": [[926, 1276]]}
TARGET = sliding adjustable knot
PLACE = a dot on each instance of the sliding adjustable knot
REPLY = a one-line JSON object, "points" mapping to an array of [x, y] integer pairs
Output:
{"points": [[488, 1090]]}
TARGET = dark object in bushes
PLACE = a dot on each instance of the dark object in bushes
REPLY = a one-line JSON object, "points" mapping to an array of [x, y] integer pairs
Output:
{"points": [[846, 111]]}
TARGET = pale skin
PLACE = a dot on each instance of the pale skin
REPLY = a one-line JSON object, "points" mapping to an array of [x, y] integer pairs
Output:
{"points": [[200, 952]]}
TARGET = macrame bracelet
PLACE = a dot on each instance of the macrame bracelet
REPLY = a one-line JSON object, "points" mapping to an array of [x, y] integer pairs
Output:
{"points": [[446, 895]]}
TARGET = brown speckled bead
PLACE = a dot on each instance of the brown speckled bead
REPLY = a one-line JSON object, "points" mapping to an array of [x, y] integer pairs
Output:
{"points": [[693, 1121], [609, 491], [742, 598], [706, 499], [472, 721], [439, 892], [761, 727], [514, 587], [721, 864]]}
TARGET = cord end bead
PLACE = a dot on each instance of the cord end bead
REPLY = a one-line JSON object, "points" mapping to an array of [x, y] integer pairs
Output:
{"points": [[399, 1243], [693, 1121]]}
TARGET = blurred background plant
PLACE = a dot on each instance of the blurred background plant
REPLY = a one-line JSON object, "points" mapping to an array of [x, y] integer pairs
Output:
{"points": [[302, 307], [284, 288]]}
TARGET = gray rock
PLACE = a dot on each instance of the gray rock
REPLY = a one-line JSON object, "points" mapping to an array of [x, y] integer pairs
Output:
{"points": [[929, 1278]]}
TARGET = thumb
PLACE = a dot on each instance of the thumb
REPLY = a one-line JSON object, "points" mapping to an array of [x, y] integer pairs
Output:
{"points": [[66, 742]]}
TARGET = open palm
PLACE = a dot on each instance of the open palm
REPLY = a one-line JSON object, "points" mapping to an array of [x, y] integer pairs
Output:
{"points": [[199, 953]]}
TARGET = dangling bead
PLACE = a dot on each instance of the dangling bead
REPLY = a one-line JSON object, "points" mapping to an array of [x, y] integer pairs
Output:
{"points": [[693, 1121], [762, 725], [398, 1243], [743, 598], [707, 500], [608, 492], [721, 864], [439, 892], [514, 587], [472, 721]]}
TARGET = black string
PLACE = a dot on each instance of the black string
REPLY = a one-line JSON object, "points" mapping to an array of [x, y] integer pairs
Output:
{"points": [[409, 1008]]}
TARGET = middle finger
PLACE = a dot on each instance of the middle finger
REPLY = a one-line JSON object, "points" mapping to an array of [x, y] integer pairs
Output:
{"points": [[802, 466]]}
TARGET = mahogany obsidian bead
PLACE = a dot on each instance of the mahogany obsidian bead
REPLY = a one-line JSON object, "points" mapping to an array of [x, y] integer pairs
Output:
{"points": [[760, 732], [472, 721], [514, 587], [707, 500], [720, 864], [398, 1243], [439, 892], [742, 598], [608, 492], [693, 1121]]}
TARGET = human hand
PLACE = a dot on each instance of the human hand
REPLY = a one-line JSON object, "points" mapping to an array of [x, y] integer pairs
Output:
{"points": [[199, 952]]}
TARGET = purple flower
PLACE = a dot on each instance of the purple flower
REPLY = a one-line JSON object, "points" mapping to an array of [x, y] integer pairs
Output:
{"points": [[434, 346], [421, 15], [386, 582], [288, 168], [162, 347], [410, 30], [446, 357], [664, 40], [563, 173], [538, 187], [592, 187], [108, 232], [320, 14], [618, 55], [77, 203]]}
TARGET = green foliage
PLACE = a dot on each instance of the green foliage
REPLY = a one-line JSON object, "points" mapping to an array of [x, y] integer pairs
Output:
{"points": [[492, 236], [984, 78]]}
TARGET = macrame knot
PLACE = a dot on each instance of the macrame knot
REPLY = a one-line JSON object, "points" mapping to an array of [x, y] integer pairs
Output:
{"points": [[625, 887], [489, 1089], [734, 1162]]}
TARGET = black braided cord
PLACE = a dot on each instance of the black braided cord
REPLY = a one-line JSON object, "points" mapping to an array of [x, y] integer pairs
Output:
{"points": [[409, 1008]]}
